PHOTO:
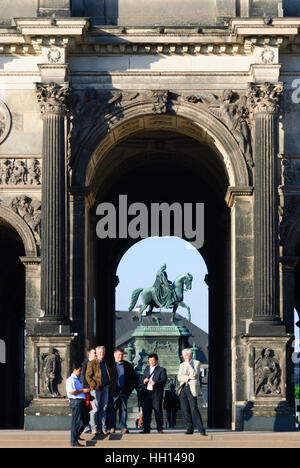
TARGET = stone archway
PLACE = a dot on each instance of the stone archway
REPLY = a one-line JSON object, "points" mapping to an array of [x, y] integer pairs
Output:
{"points": [[185, 118], [25, 233], [99, 169], [19, 287]]}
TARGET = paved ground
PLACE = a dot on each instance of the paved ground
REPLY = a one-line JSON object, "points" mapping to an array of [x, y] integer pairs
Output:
{"points": [[175, 439]]}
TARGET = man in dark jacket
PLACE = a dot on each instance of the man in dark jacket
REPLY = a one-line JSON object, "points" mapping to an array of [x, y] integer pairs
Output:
{"points": [[154, 379], [171, 405], [123, 381]]}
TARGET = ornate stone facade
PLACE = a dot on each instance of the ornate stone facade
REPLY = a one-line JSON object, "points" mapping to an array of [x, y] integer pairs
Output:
{"points": [[176, 110]]}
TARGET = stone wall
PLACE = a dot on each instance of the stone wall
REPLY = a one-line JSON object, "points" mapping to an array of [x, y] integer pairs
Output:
{"points": [[145, 12]]}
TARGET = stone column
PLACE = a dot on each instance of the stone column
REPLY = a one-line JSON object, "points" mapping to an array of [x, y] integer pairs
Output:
{"points": [[267, 345], [288, 265], [52, 98], [264, 105]]}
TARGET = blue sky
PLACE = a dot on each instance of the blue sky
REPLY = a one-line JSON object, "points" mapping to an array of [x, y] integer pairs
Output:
{"points": [[138, 268]]}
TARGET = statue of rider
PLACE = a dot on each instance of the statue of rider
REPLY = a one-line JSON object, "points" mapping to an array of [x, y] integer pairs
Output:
{"points": [[164, 293]]}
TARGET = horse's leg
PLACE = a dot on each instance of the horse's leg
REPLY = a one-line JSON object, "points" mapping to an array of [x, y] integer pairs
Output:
{"points": [[174, 313], [150, 312], [144, 307], [182, 304]]}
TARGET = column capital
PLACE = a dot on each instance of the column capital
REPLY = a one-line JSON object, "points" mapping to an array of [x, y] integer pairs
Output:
{"points": [[264, 98], [53, 98]]}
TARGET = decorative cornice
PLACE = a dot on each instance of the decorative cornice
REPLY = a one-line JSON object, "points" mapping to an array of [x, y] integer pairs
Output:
{"points": [[74, 34], [233, 192], [52, 98], [30, 260]]}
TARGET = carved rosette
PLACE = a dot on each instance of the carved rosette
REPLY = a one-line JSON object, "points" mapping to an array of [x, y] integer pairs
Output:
{"points": [[265, 98], [53, 98]]}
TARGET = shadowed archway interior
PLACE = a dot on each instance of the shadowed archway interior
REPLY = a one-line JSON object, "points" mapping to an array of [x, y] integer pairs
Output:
{"points": [[12, 297], [162, 166]]}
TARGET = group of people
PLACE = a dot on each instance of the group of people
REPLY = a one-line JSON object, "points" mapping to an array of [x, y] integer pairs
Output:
{"points": [[98, 390]]}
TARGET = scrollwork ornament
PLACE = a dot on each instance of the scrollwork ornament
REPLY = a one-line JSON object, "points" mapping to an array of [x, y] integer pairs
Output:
{"points": [[53, 98]]}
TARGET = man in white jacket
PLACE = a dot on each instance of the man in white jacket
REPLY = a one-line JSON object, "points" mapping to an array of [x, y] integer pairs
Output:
{"points": [[189, 373]]}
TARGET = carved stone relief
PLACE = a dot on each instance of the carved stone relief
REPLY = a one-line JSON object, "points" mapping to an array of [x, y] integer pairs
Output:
{"points": [[5, 121], [50, 373], [20, 172], [264, 98], [232, 110], [160, 101], [291, 171], [267, 373], [53, 98], [54, 55], [30, 211]]}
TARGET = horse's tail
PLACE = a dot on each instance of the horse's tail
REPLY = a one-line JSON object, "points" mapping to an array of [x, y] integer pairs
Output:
{"points": [[134, 298]]}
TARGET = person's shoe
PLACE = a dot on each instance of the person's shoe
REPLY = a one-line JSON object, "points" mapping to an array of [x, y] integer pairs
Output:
{"points": [[124, 431], [112, 430], [105, 431], [203, 434], [160, 432], [144, 432], [189, 432], [77, 444]]}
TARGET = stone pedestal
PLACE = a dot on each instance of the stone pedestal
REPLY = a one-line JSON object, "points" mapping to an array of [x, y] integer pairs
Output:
{"points": [[166, 341], [267, 407], [49, 408]]}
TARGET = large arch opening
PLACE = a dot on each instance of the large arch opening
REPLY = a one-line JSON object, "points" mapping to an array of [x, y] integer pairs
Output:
{"points": [[155, 166], [12, 326], [146, 257]]}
